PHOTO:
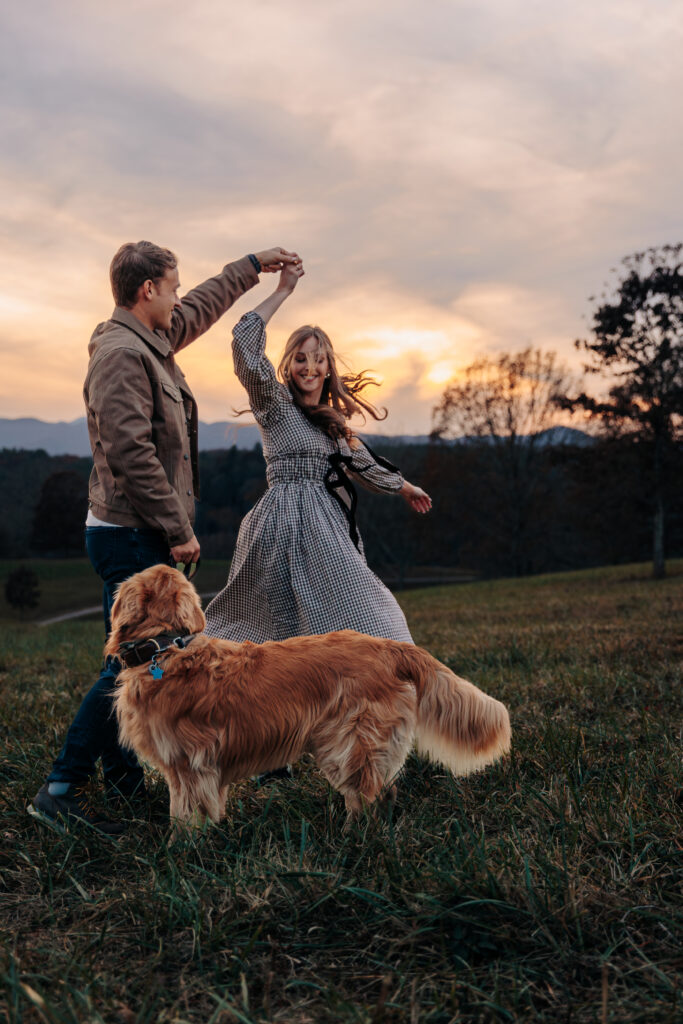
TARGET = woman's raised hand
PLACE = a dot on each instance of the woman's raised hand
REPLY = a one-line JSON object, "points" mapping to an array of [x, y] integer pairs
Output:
{"points": [[289, 276], [416, 497]]}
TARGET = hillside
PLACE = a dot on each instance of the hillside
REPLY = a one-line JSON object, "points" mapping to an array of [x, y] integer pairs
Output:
{"points": [[544, 889]]}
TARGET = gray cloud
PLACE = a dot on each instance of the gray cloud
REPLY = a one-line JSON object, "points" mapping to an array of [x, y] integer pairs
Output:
{"points": [[482, 163]]}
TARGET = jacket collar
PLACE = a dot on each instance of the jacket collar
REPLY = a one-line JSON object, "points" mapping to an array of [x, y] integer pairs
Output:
{"points": [[154, 338]]}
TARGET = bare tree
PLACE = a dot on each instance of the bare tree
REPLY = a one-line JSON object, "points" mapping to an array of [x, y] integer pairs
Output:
{"points": [[507, 406]]}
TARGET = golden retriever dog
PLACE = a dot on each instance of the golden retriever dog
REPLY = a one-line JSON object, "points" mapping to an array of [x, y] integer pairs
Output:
{"points": [[215, 712]]}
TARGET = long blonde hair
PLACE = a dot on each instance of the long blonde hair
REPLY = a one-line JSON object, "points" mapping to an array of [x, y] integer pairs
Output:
{"points": [[340, 398]]}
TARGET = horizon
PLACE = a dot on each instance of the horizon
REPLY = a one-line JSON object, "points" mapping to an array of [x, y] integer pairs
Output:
{"points": [[458, 185]]}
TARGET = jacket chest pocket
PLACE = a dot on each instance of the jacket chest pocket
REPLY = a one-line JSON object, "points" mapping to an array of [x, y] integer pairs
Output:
{"points": [[172, 420], [171, 391]]}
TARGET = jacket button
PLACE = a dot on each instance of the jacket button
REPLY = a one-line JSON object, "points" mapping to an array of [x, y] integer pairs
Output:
{"points": [[190, 493], [186, 457]]}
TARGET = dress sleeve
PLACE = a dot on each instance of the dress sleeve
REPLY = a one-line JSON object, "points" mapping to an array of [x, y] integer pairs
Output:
{"points": [[372, 471], [254, 369]]}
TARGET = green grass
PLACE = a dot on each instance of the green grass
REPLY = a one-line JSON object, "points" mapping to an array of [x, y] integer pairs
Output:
{"points": [[544, 889]]}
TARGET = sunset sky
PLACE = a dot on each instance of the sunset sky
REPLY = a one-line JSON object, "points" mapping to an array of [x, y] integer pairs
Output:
{"points": [[459, 177]]}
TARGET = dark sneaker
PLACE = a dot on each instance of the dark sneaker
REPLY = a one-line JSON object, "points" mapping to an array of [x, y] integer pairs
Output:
{"points": [[275, 775], [71, 808]]}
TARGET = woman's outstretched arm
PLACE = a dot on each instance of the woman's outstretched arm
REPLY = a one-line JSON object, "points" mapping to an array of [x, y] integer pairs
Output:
{"points": [[253, 367], [377, 474], [289, 278]]}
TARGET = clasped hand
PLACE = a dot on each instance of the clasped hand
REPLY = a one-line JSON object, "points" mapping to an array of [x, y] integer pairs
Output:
{"points": [[277, 258], [289, 276]]}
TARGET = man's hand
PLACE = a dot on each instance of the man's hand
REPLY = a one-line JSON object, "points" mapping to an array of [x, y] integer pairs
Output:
{"points": [[416, 497], [275, 259], [187, 552]]}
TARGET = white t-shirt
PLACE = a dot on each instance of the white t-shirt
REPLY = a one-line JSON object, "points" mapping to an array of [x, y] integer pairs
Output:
{"points": [[91, 520]]}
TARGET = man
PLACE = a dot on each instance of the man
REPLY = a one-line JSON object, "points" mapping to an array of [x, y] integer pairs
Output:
{"points": [[142, 422]]}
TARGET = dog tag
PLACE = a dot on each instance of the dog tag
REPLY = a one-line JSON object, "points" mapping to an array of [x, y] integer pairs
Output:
{"points": [[155, 670]]}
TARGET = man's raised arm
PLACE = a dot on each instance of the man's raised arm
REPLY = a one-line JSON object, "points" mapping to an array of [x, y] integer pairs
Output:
{"points": [[204, 305]]}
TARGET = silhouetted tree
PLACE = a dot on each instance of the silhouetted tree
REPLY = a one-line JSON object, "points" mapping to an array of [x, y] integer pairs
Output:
{"points": [[21, 589], [505, 407], [59, 517], [638, 338]]}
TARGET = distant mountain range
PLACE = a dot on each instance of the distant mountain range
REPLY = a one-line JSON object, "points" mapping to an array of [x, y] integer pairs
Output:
{"points": [[72, 438], [64, 438]]}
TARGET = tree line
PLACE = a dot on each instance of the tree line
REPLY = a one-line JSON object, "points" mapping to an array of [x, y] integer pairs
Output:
{"points": [[513, 493], [548, 506]]}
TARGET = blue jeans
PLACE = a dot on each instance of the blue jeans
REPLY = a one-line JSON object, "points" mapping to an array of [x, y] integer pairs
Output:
{"points": [[116, 553]]}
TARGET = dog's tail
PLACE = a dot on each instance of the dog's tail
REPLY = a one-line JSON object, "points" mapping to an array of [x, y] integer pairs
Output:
{"points": [[457, 724]]}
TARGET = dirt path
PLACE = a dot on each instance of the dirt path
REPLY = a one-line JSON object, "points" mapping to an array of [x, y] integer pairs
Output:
{"points": [[95, 609]]}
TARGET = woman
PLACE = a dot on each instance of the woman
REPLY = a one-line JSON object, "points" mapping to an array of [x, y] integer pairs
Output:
{"points": [[299, 566]]}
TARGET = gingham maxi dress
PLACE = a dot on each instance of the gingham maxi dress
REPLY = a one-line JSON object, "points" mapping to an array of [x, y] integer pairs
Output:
{"points": [[299, 566]]}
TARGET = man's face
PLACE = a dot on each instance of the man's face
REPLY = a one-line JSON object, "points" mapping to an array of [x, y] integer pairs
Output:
{"points": [[163, 299]]}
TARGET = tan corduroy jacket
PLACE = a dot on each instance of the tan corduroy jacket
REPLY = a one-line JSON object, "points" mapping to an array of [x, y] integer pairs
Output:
{"points": [[142, 416]]}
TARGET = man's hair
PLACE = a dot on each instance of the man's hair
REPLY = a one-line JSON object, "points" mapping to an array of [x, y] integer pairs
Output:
{"points": [[135, 263]]}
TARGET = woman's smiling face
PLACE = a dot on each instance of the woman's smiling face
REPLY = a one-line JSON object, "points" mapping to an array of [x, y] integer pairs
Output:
{"points": [[309, 368]]}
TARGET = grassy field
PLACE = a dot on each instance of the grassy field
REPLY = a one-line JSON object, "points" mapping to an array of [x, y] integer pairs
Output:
{"points": [[545, 889]]}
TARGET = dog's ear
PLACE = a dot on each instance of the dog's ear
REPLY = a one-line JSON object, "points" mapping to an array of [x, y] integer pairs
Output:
{"points": [[172, 600], [188, 613], [127, 613]]}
